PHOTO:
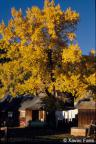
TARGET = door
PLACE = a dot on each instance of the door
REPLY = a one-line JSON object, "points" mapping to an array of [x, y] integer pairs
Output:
{"points": [[35, 115]]}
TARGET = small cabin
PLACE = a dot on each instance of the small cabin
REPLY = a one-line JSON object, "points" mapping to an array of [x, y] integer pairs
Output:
{"points": [[86, 117], [21, 110], [31, 110], [86, 113]]}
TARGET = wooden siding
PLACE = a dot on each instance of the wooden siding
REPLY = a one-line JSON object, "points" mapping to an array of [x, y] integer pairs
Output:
{"points": [[85, 116], [78, 131], [42, 115], [28, 115]]}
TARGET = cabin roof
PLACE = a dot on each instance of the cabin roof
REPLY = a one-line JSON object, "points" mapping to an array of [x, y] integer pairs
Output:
{"points": [[33, 104], [87, 105], [10, 103]]}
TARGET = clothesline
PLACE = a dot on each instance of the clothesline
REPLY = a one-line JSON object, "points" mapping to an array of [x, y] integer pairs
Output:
{"points": [[68, 115]]}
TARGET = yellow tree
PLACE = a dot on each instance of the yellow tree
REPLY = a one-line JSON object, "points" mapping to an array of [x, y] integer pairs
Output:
{"points": [[89, 72], [38, 52]]}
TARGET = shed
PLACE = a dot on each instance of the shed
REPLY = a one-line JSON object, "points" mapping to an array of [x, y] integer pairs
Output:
{"points": [[86, 113]]}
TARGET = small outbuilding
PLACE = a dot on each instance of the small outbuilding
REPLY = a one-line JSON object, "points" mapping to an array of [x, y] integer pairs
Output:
{"points": [[86, 113], [86, 118]]}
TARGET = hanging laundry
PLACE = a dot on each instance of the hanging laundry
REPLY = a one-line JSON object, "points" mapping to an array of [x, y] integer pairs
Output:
{"points": [[66, 115], [70, 115]]}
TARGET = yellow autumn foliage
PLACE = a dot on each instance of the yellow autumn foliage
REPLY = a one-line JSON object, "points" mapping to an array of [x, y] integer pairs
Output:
{"points": [[71, 36], [36, 54], [91, 79], [71, 15], [93, 52], [71, 54]]}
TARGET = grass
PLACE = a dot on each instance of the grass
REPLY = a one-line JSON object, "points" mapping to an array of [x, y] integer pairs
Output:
{"points": [[60, 137]]}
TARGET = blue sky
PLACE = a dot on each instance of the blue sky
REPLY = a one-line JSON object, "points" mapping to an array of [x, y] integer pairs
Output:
{"points": [[86, 8]]}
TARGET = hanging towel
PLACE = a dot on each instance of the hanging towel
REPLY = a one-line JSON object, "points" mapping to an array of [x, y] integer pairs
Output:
{"points": [[66, 115], [70, 115]]}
